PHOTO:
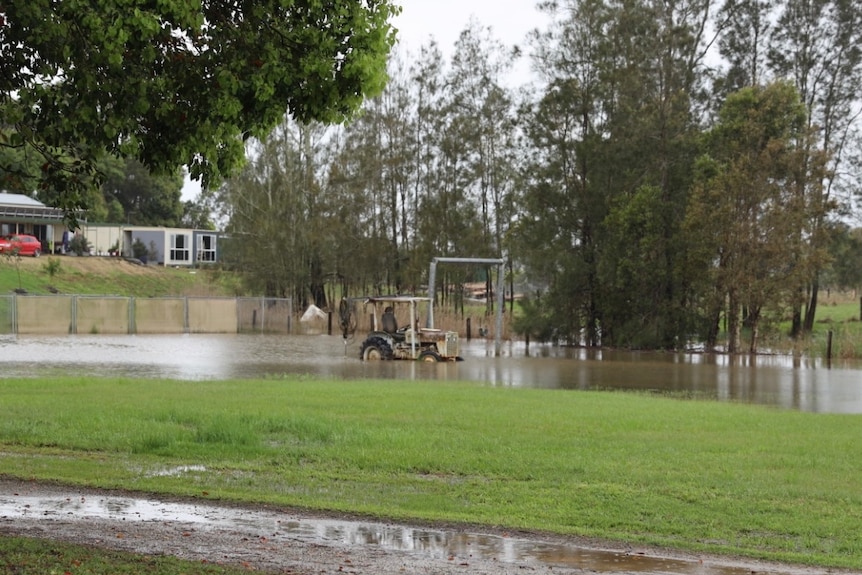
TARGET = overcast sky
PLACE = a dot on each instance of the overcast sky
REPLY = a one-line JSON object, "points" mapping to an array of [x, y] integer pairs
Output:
{"points": [[444, 20], [510, 20]]}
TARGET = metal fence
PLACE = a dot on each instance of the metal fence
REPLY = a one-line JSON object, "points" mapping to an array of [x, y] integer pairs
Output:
{"points": [[85, 314]]}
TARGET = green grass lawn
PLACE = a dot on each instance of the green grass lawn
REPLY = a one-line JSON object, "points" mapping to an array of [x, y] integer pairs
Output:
{"points": [[23, 556], [696, 475]]}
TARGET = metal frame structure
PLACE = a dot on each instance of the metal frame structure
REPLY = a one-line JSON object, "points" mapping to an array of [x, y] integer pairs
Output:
{"points": [[432, 291]]}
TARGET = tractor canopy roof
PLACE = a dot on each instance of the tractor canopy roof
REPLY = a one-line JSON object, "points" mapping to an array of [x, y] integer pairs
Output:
{"points": [[395, 299]]}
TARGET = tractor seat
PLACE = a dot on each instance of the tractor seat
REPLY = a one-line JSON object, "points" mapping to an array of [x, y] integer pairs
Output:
{"points": [[390, 325]]}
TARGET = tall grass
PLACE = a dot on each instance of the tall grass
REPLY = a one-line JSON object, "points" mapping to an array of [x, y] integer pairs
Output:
{"points": [[726, 478]]}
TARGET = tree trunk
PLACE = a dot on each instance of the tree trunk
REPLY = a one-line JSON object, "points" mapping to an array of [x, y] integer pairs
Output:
{"points": [[754, 324], [808, 326], [796, 323], [732, 324]]}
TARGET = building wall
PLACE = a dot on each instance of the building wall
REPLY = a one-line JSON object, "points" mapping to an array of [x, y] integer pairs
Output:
{"points": [[103, 238], [198, 247]]}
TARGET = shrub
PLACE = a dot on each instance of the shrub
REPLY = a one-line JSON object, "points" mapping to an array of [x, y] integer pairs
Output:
{"points": [[51, 267], [139, 250], [79, 245]]}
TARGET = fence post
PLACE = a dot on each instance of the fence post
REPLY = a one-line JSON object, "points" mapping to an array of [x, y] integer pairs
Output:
{"points": [[133, 326], [186, 323], [289, 315], [73, 328], [469, 330]]}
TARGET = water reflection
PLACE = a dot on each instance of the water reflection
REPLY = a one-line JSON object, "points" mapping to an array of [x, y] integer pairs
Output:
{"points": [[277, 526], [795, 383]]}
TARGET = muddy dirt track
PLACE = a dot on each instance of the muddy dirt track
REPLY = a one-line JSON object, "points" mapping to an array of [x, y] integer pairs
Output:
{"points": [[290, 541]]}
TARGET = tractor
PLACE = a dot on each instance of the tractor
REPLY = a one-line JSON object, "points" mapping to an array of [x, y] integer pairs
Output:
{"points": [[387, 340]]}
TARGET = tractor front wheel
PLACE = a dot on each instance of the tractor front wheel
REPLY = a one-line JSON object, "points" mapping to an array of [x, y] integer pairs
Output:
{"points": [[430, 356], [375, 348]]}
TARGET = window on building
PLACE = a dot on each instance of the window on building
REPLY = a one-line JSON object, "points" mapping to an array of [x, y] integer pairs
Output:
{"points": [[179, 248], [207, 248]]}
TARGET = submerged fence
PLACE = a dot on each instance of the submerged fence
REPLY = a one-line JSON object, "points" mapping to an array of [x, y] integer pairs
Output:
{"points": [[84, 314]]}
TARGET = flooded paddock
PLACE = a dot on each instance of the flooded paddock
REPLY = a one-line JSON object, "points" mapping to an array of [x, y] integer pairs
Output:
{"points": [[792, 383], [772, 380]]}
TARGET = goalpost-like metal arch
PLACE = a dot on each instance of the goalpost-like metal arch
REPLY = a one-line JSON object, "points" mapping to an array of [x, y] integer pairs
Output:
{"points": [[432, 278]]}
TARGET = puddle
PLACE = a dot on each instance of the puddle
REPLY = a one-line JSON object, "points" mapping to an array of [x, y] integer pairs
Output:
{"points": [[340, 533], [177, 471]]}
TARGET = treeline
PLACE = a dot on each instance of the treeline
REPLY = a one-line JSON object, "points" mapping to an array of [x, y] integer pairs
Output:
{"points": [[676, 170]]}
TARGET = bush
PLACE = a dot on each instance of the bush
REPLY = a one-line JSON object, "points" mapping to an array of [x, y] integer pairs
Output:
{"points": [[139, 250], [51, 267], [79, 245]]}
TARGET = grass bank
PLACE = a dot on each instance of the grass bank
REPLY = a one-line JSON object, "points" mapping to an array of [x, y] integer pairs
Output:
{"points": [[109, 276], [717, 477]]}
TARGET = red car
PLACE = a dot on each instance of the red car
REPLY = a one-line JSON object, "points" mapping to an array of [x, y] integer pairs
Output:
{"points": [[21, 244]]}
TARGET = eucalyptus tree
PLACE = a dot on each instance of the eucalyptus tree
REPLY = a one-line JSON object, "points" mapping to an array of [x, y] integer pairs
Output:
{"points": [[370, 184], [656, 72], [618, 125], [178, 82], [394, 116], [483, 116], [353, 184], [562, 209], [745, 212], [818, 44], [845, 250], [746, 34], [427, 131], [279, 223], [480, 143]]}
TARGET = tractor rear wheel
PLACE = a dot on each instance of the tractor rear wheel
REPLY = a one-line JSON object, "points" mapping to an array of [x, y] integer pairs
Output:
{"points": [[375, 348]]}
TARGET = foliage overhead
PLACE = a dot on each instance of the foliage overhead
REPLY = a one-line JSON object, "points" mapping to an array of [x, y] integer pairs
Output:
{"points": [[178, 81]]}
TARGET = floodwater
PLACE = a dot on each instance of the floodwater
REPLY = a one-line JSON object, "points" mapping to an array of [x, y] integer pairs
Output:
{"points": [[791, 383], [278, 526]]}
